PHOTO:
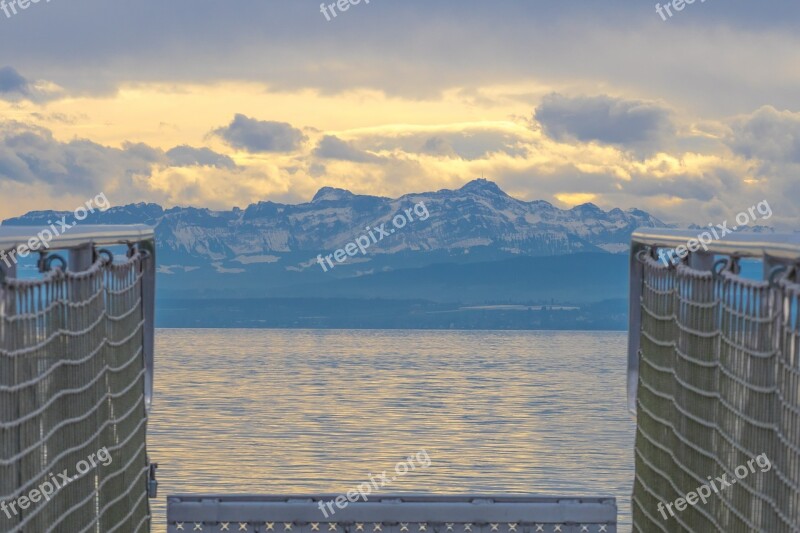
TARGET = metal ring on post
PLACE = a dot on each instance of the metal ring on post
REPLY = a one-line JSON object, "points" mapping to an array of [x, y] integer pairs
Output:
{"points": [[719, 266], [780, 269], [731, 264], [788, 272], [671, 261], [652, 253], [135, 248], [107, 253], [132, 249], [48, 262]]}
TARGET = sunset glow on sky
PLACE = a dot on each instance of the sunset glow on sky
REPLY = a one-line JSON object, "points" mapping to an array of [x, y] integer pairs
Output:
{"points": [[218, 104]]}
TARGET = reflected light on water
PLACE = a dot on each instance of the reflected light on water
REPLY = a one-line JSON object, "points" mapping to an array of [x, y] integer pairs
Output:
{"points": [[309, 411]]}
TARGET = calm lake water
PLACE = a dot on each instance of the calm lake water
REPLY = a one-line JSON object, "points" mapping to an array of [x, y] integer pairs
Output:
{"points": [[302, 411]]}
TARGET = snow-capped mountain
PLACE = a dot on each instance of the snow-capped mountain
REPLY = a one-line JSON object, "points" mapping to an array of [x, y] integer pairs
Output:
{"points": [[479, 217]]}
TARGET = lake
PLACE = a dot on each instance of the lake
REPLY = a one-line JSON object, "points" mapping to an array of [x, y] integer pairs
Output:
{"points": [[309, 411]]}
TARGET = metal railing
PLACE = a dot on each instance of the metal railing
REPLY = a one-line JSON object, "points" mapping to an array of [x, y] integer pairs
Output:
{"points": [[76, 380], [402, 513], [774, 250], [714, 380], [81, 244]]}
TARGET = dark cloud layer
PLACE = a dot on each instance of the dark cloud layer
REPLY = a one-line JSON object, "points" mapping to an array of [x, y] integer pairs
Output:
{"points": [[332, 147], [767, 134], [470, 144], [437, 145], [187, 156], [260, 135], [626, 123], [95, 45], [15, 87], [12, 83], [32, 155]]}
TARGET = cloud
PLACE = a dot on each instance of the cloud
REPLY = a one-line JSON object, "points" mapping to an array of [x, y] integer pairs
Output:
{"points": [[187, 156], [768, 140], [684, 187], [767, 134], [12, 83], [743, 54], [257, 136], [39, 171], [332, 147], [469, 141], [14, 86], [60, 118], [627, 123], [32, 155], [437, 145], [144, 152]]}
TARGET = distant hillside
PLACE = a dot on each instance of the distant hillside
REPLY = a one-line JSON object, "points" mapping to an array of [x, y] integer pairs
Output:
{"points": [[578, 278], [351, 313]]}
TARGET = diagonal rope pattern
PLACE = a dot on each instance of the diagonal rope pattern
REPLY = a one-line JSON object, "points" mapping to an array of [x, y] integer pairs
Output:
{"points": [[719, 384], [72, 377]]}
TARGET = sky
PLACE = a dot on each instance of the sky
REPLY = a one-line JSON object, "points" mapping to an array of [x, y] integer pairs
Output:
{"points": [[226, 103]]}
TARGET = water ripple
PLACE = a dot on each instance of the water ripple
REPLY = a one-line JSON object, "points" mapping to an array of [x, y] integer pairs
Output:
{"points": [[299, 411]]}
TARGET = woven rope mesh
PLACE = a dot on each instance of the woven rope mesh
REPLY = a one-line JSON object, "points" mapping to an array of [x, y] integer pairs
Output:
{"points": [[719, 386], [72, 389]]}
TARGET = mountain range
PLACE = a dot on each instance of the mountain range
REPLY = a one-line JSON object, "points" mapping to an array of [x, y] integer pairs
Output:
{"points": [[477, 245]]}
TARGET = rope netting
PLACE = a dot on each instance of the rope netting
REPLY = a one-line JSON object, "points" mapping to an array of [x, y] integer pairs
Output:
{"points": [[719, 386], [72, 413]]}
